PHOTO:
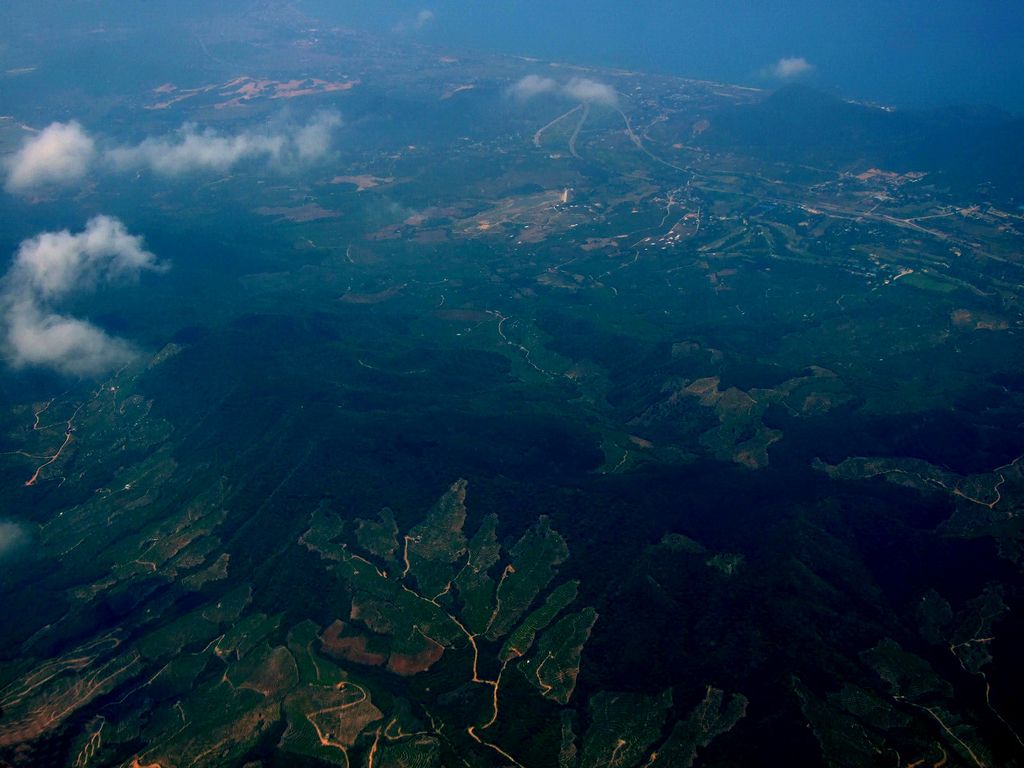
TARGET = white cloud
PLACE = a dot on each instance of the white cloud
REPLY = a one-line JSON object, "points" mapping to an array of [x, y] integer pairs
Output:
{"points": [[61, 153], [55, 265], [194, 150], [422, 19], [13, 536], [577, 89], [532, 85], [313, 140], [790, 68], [36, 337], [191, 149], [584, 89]]}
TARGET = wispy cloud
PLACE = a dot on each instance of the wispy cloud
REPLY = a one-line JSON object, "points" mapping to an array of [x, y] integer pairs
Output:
{"points": [[59, 154], [584, 89], [64, 153], [53, 266], [422, 19], [790, 68], [37, 337], [313, 140], [191, 149], [578, 89], [13, 538], [532, 85]]}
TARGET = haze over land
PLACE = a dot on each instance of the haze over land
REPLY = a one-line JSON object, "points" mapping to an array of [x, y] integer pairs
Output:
{"points": [[395, 385], [912, 53]]}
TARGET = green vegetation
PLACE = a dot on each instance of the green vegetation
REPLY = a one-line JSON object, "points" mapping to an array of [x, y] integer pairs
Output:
{"points": [[555, 665], [623, 727], [433, 546], [711, 718], [736, 424], [379, 537], [521, 640], [474, 583], [534, 559]]}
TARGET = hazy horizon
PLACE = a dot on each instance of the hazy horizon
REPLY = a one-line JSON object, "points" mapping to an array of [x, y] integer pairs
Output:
{"points": [[912, 54], [548, 385]]}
